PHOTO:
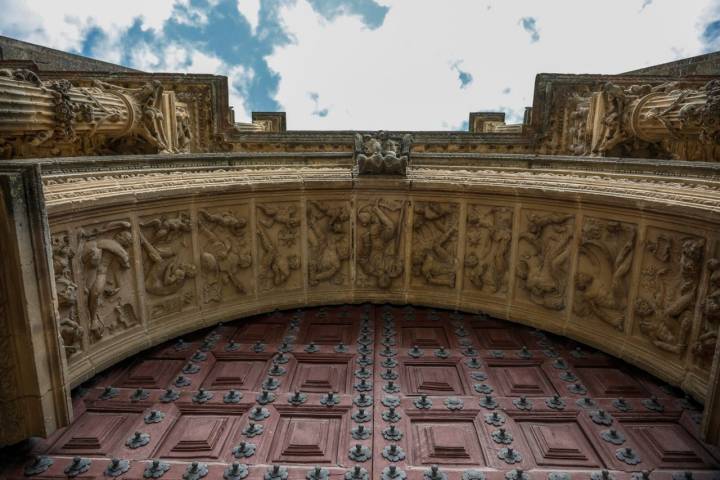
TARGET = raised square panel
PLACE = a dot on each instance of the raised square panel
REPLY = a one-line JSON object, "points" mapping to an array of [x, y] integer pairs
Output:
{"points": [[610, 382], [266, 332], [670, 445], [518, 377], [196, 436], [241, 374], [558, 443], [328, 333], [445, 442], [432, 378], [498, 338], [314, 374], [156, 373], [424, 336], [309, 437], [94, 433]]}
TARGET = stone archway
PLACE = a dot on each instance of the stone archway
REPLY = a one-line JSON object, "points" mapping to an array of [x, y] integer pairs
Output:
{"points": [[390, 390]]}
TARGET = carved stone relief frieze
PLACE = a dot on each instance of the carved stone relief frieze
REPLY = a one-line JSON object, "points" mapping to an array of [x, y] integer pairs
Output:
{"points": [[278, 244], [544, 250], [110, 299], [703, 348], [168, 269], [667, 290], [487, 248], [225, 253], [605, 258], [71, 331], [329, 242], [380, 247], [435, 243]]}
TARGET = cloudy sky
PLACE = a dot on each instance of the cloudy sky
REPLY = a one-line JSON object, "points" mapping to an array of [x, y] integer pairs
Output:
{"points": [[372, 64]]}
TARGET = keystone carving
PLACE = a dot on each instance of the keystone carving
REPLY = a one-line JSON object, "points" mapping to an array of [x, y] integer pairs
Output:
{"points": [[166, 245], [278, 232], [704, 347], [544, 248], [225, 254], [668, 288], [604, 261], [434, 246], [381, 154], [380, 226], [329, 242], [487, 247], [71, 331], [106, 260], [668, 121], [50, 118]]}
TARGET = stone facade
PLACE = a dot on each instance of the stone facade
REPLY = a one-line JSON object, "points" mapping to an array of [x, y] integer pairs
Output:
{"points": [[172, 216]]}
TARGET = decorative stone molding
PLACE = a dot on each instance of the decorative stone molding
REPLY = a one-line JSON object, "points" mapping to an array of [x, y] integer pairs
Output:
{"points": [[54, 117]]}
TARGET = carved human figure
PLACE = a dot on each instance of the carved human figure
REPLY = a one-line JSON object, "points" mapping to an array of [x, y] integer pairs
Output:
{"points": [[278, 265], [165, 271], [542, 266], [379, 242], [489, 234], [328, 241], [706, 342], [665, 306], [382, 154], [221, 259], [434, 243], [284, 215], [101, 258], [605, 259]]}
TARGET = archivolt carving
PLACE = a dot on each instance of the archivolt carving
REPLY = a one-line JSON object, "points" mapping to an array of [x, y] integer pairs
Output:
{"points": [[434, 243], [225, 254], [105, 251], [604, 261], [329, 242], [487, 247], [167, 250], [71, 331], [704, 347], [278, 231], [545, 244], [380, 231], [668, 288]]}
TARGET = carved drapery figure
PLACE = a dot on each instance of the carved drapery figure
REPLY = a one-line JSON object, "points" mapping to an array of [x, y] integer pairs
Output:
{"points": [[50, 118], [105, 255], [71, 331], [434, 246], [667, 121], [380, 154], [604, 261], [488, 239], [545, 247], [224, 253], [278, 230], [329, 242], [704, 346], [668, 289], [380, 225], [165, 241]]}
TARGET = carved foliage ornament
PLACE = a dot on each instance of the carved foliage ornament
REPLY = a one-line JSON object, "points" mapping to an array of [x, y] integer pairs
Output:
{"points": [[71, 331], [381, 154]]}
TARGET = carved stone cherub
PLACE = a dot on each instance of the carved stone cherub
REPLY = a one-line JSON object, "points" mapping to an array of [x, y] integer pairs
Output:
{"points": [[380, 154]]}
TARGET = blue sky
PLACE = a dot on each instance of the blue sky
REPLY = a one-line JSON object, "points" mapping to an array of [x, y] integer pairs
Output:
{"points": [[372, 64]]}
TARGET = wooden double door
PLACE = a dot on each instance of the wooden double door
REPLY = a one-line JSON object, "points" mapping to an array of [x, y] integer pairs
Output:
{"points": [[379, 392]]}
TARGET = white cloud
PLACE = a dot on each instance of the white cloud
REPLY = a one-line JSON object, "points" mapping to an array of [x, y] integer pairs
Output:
{"points": [[251, 11], [398, 76]]}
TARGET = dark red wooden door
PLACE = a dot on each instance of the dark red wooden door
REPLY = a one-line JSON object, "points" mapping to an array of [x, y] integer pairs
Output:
{"points": [[361, 392]]}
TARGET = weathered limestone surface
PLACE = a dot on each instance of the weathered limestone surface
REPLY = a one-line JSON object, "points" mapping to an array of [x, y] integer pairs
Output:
{"points": [[625, 264]]}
